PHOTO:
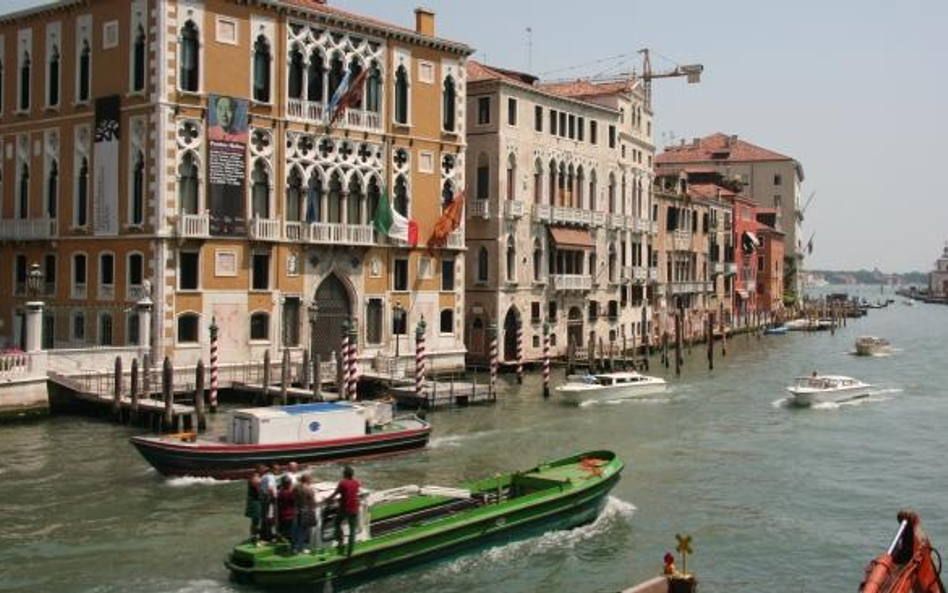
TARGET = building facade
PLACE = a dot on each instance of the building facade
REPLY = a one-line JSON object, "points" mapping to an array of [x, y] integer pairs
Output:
{"points": [[188, 151], [769, 179], [746, 258], [938, 279], [558, 220]]}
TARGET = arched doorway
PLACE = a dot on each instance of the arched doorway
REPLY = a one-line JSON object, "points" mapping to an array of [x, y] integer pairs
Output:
{"points": [[510, 333], [332, 298], [476, 336], [574, 327]]}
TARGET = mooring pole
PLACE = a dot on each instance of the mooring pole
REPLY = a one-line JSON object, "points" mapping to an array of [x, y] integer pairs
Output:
{"points": [[117, 389], [167, 390], [285, 377], [493, 357], [199, 395], [420, 360], [546, 360], [519, 352], [678, 329], [266, 377], [133, 414], [214, 364]]}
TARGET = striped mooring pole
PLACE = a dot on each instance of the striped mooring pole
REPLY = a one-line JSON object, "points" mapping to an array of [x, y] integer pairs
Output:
{"points": [[343, 386], [546, 360], [353, 368], [420, 360], [519, 352], [493, 358], [214, 346]]}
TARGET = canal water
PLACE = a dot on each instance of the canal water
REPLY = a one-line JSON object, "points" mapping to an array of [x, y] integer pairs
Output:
{"points": [[776, 498]]}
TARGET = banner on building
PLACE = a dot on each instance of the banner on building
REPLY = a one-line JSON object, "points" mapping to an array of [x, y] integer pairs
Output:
{"points": [[105, 179], [226, 164]]}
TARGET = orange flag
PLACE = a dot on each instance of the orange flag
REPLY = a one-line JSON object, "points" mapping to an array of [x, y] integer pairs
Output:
{"points": [[449, 222]]}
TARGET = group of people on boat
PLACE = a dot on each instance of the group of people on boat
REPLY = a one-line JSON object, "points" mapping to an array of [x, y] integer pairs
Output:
{"points": [[282, 507]]}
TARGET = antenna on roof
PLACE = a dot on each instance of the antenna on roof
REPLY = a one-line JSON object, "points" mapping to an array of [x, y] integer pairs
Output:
{"points": [[529, 49]]}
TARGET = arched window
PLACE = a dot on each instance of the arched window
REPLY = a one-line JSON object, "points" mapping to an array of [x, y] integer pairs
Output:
{"points": [[355, 70], [138, 189], [401, 195], [612, 194], [294, 193], [447, 194], [538, 182], [447, 321], [612, 263], [401, 96], [188, 185], [512, 177], [315, 76], [483, 176], [82, 194], [622, 196], [189, 65], [85, 71], [294, 85], [511, 259], [336, 199], [592, 191], [373, 90], [374, 198], [52, 83], [188, 325], [354, 201], [25, 82], [136, 269], [260, 326], [52, 190], [260, 192], [23, 192], [138, 60], [552, 184], [593, 262], [537, 260], [449, 100], [580, 188], [261, 70], [336, 74], [314, 199], [483, 265]]}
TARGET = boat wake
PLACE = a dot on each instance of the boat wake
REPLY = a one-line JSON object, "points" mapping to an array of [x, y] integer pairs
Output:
{"points": [[616, 402], [874, 397], [187, 481]]}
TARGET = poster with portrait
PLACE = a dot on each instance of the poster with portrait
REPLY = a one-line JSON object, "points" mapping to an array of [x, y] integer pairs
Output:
{"points": [[226, 164], [105, 150]]}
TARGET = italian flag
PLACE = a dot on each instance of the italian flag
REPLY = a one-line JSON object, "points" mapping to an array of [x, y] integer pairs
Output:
{"points": [[389, 222]]}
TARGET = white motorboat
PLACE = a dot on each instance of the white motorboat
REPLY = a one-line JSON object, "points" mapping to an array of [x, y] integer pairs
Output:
{"points": [[817, 389], [809, 325], [872, 346], [609, 386]]}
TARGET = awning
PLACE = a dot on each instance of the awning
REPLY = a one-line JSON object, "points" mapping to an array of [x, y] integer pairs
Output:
{"points": [[571, 238]]}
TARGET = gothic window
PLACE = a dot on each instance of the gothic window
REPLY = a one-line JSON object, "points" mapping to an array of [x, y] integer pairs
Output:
{"points": [[447, 194], [354, 201], [294, 193], [538, 182], [138, 189], [373, 90], [374, 197], [315, 75], [483, 265], [355, 70], [511, 259], [188, 185], [336, 74], [261, 70], [52, 83], [52, 190], [25, 82], [138, 60], [512, 177], [23, 205], [537, 260], [401, 96], [295, 79], [82, 194], [260, 191], [314, 199], [85, 71], [401, 195], [449, 105], [189, 61], [336, 199]]}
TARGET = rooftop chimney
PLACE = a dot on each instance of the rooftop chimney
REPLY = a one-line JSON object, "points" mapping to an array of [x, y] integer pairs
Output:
{"points": [[425, 22]]}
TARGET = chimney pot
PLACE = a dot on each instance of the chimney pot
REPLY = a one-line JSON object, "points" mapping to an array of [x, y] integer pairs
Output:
{"points": [[425, 21]]}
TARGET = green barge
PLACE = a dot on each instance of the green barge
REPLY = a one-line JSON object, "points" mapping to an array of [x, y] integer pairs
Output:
{"points": [[403, 531]]}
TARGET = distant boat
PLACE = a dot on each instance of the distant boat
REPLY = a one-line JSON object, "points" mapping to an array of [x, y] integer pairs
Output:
{"points": [[776, 330], [609, 386], [872, 346], [817, 389], [809, 325]]}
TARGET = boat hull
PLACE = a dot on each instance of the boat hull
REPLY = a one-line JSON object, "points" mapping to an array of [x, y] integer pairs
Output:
{"points": [[581, 394], [492, 524], [806, 398], [223, 461]]}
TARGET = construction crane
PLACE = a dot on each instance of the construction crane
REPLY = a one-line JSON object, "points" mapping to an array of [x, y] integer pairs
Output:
{"points": [[691, 71]]}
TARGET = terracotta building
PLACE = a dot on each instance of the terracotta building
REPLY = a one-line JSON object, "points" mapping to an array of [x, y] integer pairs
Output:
{"points": [[188, 151]]}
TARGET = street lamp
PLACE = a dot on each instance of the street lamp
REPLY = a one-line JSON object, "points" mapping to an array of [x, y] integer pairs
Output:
{"points": [[397, 325], [34, 281]]}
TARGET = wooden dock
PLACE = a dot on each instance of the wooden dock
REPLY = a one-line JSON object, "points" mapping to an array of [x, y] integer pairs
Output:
{"points": [[441, 394]]}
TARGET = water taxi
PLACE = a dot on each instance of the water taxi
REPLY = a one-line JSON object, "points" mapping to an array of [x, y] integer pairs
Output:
{"points": [[609, 386], [408, 526], [816, 389], [304, 433]]}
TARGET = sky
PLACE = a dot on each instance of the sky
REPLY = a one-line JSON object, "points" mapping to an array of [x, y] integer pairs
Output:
{"points": [[854, 90]]}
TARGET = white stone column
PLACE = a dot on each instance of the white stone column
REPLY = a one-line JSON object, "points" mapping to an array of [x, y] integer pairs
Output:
{"points": [[144, 307], [34, 326]]}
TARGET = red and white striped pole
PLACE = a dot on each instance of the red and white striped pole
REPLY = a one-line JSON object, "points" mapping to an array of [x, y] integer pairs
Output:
{"points": [[213, 395], [353, 368], [546, 360], [420, 360], [493, 358], [519, 352], [344, 361]]}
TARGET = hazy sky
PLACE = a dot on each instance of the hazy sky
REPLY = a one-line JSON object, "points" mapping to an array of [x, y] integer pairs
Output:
{"points": [[855, 90]]}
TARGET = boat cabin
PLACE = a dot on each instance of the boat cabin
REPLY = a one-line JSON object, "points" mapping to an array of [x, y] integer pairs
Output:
{"points": [[306, 422]]}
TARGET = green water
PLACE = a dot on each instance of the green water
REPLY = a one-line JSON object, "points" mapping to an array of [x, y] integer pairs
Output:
{"points": [[777, 499]]}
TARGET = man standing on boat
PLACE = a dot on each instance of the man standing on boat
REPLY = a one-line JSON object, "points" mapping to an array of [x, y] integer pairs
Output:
{"points": [[348, 492], [268, 495], [305, 515]]}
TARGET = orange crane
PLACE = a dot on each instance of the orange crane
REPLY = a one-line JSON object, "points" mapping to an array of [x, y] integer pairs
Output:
{"points": [[908, 566]]}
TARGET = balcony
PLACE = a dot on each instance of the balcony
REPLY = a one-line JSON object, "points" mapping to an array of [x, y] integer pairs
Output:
{"points": [[616, 221], [564, 215], [709, 286], [264, 229], [513, 209], [686, 287], [336, 233], [571, 281], [479, 209], [28, 229], [598, 218], [196, 226], [456, 240], [135, 292], [315, 112], [296, 231]]}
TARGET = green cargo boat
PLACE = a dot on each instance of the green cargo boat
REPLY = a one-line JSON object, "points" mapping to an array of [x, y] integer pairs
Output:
{"points": [[408, 526]]}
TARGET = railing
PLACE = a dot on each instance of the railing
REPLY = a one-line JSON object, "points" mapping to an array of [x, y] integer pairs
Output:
{"points": [[686, 287], [106, 292], [513, 208], [341, 234], [28, 228], [296, 231], [135, 292], [194, 225], [598, 218], [456, 240], [572, 215], [315, 111], [709, 286], [479, 209], [616, 221], [541, 212], [13, 364], [264, 229], [571, 281], [639, 273]]}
